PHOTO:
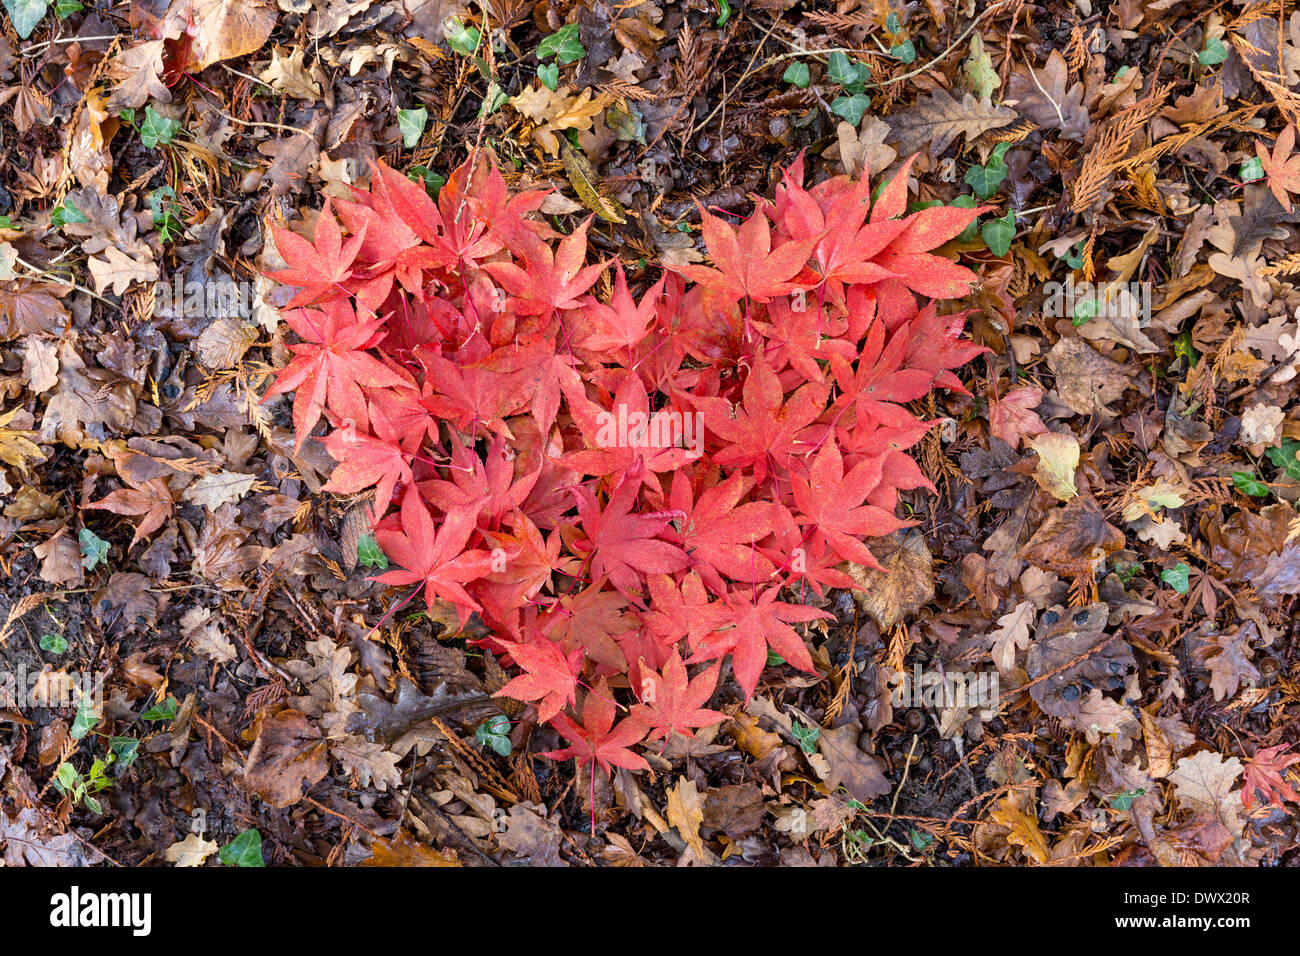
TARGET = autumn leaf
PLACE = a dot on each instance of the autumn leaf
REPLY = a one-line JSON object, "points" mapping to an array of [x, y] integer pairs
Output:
{"points": [[751, 626], [331, 366], [669, 703], [550, 676], [1011, 635], [940, 118], [1264, 774], [745, 263], [1281, 166], [151, 499], [436, 558], [598, 740], [1011, 417]]}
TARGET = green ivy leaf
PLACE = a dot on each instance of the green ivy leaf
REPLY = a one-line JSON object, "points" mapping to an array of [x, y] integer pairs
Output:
{"points": [[1074, 258], [563, 44], [495, 733], [852, 77], [54, 643], [86, 718], [164, 711], [412, 123], [1251, 170], [461, 38], [244, 850], [1176, 577], [433, 182], [797, 74], [125, 749], [724, 13], [806, 736], [981, 78], [370, 554], [1124, 801], [94, 549], [549, 74], [1084, 312], [66, 8], [25, 14], [998, 233], [986, 179], [965, 201], [905, 51], [1248, 484], [67, 776], [851, 108], [1287, 458], [1214, 53], [157, 128], [495, 99], [66, 213]]}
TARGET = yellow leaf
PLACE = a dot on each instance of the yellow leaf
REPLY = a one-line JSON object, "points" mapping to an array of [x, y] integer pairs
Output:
{"points": [[191, 851], [1024, 829], [16, 445], [1058, 457], [583, 178]]}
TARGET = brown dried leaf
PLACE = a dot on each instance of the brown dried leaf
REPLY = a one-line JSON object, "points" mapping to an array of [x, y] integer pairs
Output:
{"points": [[288, 758], [904, 586]]}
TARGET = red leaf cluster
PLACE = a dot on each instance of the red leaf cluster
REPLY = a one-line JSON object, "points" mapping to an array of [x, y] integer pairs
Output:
{"points": [[623, 486]]}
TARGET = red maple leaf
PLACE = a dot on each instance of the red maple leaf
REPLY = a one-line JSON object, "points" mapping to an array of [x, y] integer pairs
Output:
{"points": [[320, 270], [757, 623], [330, 366], [434, 557], [767, 429], [935, 344], [624, 545], [831, 504], [1264, 773], [717, 534], [627, 437], [669, 703], [553, 279], [593, 619], [550, 676], [598, 740], [880, 383], [623, 323], [802, 337], [366, 460], [744, 263], [834, 213], [490, 484], [530, 562], [1281, 167], [678, 611], [479, 392], [802, 561]]}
